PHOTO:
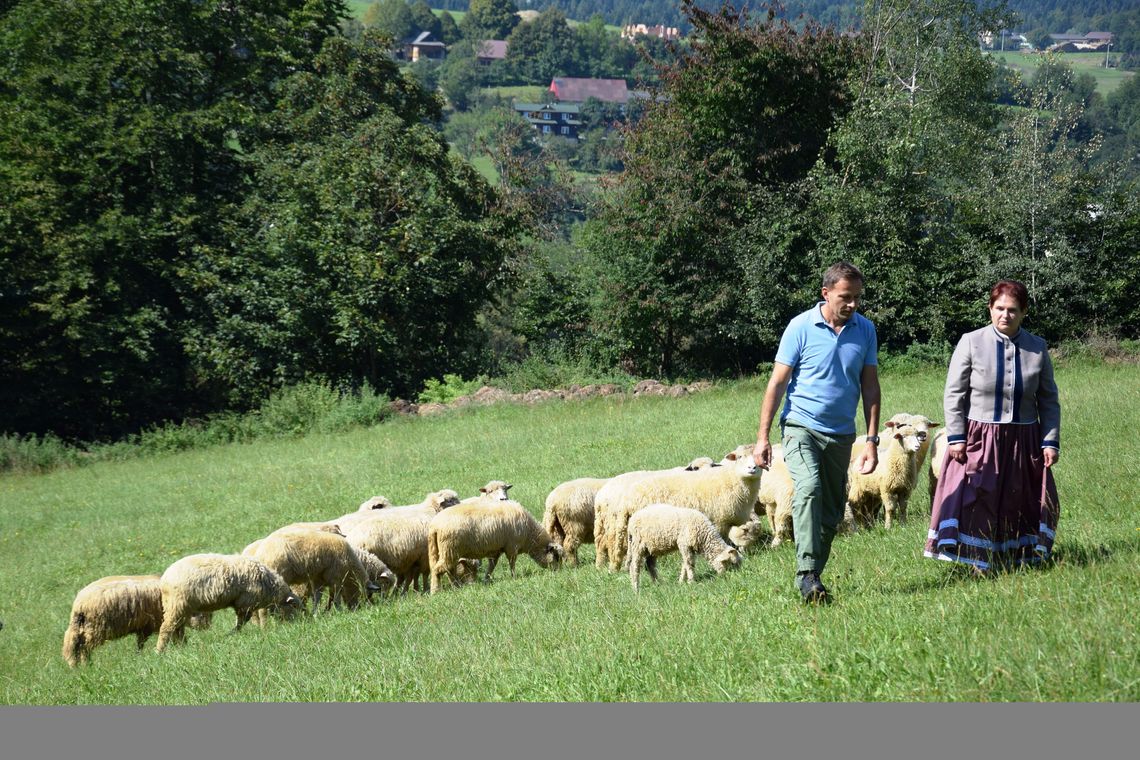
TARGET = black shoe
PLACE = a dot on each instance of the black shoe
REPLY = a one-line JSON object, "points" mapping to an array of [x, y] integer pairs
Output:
{"points": [[812, 589]]}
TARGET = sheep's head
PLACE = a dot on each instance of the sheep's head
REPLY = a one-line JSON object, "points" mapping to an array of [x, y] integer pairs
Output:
{"points": [[496, 490], [742, 451], [331, 528], [729, 559], [376, 502], [746, 466], [441, 500], [553, 555], [201, 621], [908, 438], [745, 535], [700, 463], [467, 570]]}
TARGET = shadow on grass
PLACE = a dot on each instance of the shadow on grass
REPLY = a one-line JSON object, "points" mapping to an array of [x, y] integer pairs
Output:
{"points": [[1065, 555]]}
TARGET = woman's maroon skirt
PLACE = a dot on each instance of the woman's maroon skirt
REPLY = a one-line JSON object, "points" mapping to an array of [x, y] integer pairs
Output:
{"points": [[1001, 505]]}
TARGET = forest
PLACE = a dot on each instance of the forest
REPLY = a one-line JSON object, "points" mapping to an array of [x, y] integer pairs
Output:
{"points": [[203, 203]]}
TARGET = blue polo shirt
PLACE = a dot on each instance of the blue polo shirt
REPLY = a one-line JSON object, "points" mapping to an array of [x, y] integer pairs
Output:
{"points": [[826, 369]]}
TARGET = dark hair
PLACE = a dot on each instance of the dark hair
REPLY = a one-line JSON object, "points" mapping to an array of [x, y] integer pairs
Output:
{"points": [[841, 270], [1013, 289]]}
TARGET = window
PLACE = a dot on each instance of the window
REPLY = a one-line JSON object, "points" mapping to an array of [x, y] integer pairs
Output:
{"points": [[545, 129], [566, 130], [546, 115]]}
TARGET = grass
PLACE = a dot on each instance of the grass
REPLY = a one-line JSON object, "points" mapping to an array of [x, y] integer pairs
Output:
{"points": [[903, 628], [525, 93], [1107, 80]]}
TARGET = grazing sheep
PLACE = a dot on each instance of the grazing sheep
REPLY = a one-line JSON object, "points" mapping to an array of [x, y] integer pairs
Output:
{"points": [[744, 536], [488, 531], [309, 560], [727, 495], [113, 607], [397, 537], [890, 484], [326, 527], [495, 490], [376, 502], [659, 529], [569, 514], [431, 504], [210, 582]]}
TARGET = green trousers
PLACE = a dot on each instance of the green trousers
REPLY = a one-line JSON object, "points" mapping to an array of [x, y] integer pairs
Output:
{"points": [[818, 465]]}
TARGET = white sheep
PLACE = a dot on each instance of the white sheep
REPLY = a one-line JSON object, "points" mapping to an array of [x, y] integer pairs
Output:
{"points": [[922, 425], [495, 490], [890, 484], [569, 514], [727, 495], [431, 504], [659, 529], [113, 607], [478, 531], [746, 535], [376, 502], [938, 448], [310, 560], [605, 501], [210, 582]]}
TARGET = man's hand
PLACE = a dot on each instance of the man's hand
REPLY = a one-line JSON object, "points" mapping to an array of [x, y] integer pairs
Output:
{"points": [[868, 460], [957, 452], [762, 454]]}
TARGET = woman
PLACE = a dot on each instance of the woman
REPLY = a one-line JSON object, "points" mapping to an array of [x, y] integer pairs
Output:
{"points": [[996, 502]]}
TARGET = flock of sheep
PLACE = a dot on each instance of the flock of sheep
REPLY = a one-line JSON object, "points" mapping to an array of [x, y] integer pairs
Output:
{"points": [[709, 508]]}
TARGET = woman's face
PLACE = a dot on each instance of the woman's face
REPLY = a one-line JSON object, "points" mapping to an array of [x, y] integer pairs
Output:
{"points": [[1006, 315]]}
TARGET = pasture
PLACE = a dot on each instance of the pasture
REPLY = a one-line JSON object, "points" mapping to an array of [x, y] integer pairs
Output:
{"points": [[902, 628], [1107, 80]]}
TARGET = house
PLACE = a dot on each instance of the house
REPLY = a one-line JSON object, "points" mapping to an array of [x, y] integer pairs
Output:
{"points": [[579, 90], [491, 51], [1093, 42], [631, 31], [423, 45], [553, 119]]}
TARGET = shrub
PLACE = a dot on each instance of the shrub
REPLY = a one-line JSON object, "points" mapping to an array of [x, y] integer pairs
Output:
{"points": [[448, 389]]}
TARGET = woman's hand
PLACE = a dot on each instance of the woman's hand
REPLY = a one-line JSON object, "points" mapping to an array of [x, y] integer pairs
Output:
{"points": [[957, 452], [1051, 456]]}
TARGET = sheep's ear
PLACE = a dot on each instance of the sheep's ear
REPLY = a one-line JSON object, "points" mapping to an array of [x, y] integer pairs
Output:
{"points": [[731, 456], [898, 435], [890, 423], [933, 424], [483, 489], [508, 487]]}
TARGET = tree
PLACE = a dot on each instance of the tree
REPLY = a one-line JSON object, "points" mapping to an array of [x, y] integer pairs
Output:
{"points": [[124, 136], [449, 32], [425, 21], [460, 76], [489, 19], [391, 17], [544, 48]]}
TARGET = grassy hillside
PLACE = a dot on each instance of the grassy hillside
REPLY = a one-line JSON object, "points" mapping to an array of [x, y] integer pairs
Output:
{"points": [[903, 628], [1107, 80]]}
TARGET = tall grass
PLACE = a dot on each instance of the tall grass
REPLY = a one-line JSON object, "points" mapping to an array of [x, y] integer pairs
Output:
{"points": [[903, 628]]}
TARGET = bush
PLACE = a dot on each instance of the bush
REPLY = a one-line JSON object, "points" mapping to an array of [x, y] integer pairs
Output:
{"points": [[553, 372], [918, 356], [31, 454], [447, 390]]}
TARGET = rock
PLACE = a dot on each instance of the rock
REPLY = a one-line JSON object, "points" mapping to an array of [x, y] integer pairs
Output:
{"points": [[403, 406]]}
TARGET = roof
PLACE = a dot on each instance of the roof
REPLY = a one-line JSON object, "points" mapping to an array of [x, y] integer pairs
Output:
{"points": [[578, 90], [555, 107], [493, 49], [424, 39], [1098, 36]]}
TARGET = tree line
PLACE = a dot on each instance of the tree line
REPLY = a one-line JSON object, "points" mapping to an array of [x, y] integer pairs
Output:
{"points": [[202, 203]]}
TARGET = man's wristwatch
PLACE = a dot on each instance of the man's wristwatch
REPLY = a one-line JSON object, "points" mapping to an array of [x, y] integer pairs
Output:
{"points": [[873, 439]]}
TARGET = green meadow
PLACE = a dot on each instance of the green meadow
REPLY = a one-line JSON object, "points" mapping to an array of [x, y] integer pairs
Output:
{"points": [[902, 629], [1107, 80]]}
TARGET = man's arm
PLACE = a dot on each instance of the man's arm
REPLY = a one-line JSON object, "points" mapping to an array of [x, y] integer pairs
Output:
{"points": [[872, 396], [777, 385]]}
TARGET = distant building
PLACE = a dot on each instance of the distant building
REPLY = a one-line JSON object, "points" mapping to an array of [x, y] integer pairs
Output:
{"points": [[491, 51], [1093, 42], [631, 31], [553, 119], [423, 45], [579, 90]]}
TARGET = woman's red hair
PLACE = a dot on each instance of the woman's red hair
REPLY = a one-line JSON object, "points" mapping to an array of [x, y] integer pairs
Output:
{"points": [[1013, 289]]}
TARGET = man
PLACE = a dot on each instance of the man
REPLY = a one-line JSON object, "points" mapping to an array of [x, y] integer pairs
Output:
{"points": [[827, 356]]}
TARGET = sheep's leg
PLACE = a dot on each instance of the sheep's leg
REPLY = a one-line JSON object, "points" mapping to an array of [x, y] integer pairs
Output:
{"points": [[491, 562], [140, 639], [511, 557], [635, 567], [903, 500], [173, 621], [651, 566], [686, 564], [570, 549], [436, 580], [890, 508], [770, 513], [243, 616]]}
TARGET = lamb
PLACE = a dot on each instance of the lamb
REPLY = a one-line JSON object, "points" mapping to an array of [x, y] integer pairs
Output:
{"points": [[376, 502], [309, 560], [113, 607], [659, 529], [727, 495], [495, 490], [922, 425], [210, 582], [486, 531], [890, 484], [744, 536], [569, 514]]}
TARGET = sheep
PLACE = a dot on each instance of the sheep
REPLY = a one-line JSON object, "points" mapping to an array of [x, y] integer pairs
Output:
{"points": [[376, 502], [659, 529], [326, 527], [607, 496], [569, 514], [210, 582], [495, 490], [744, 536], [922, 425], [113, 607], [309, 560], [486, 531], [431, 504], [727, 495], [937, 455], [890, 484]]}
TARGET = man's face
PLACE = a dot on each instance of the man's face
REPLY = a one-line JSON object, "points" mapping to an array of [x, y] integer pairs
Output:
{"points": [[843, 299]]}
